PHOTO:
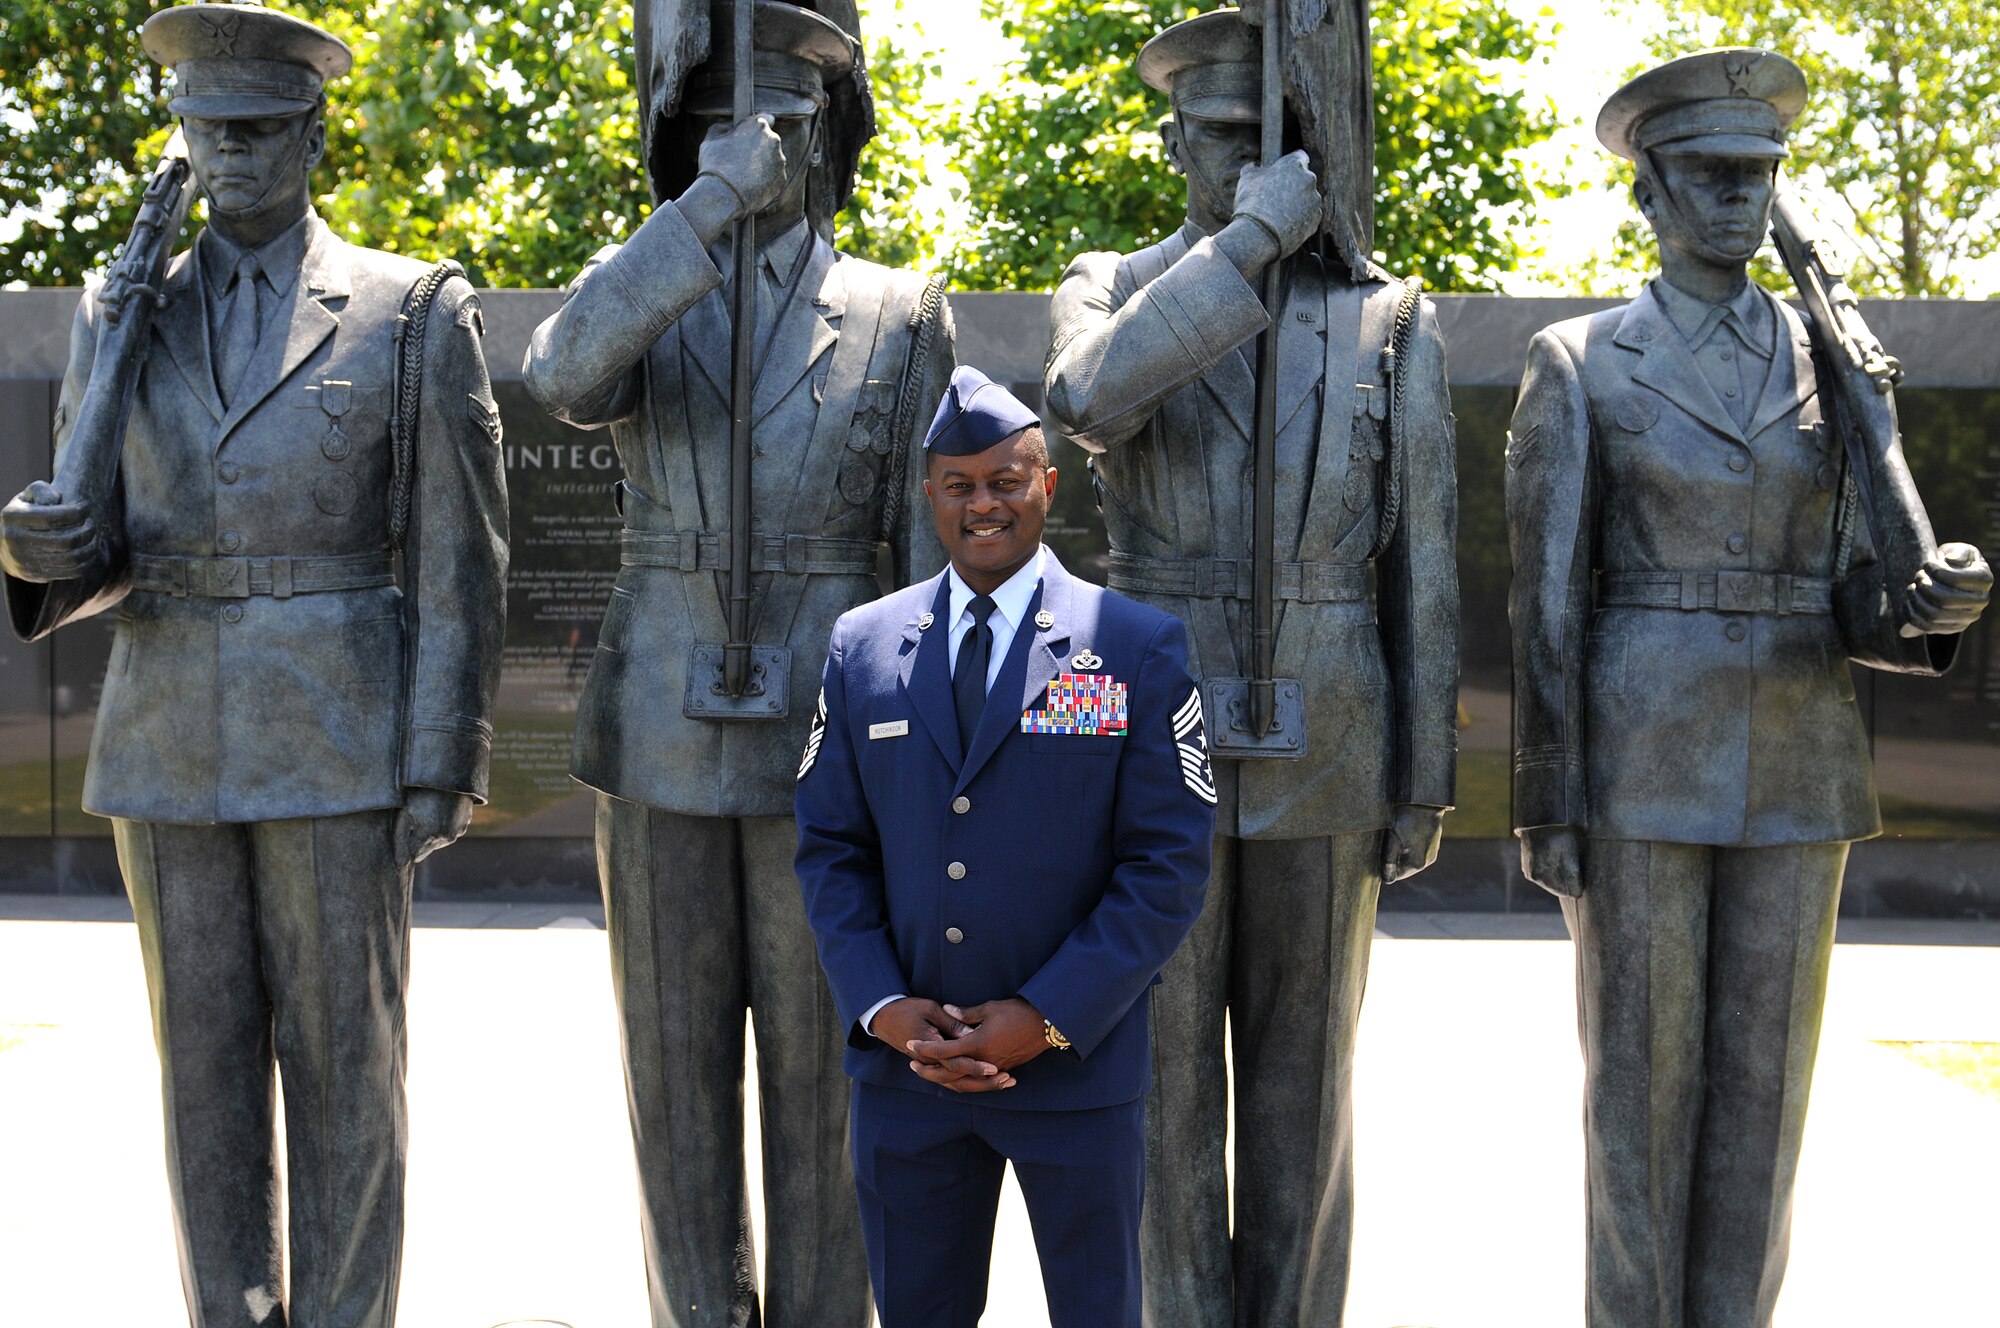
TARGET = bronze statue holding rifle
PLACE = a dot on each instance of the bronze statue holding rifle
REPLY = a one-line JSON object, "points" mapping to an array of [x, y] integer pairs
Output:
{"points": [[1270, 433], [768, 398], [1710, 518], [299, 517]]}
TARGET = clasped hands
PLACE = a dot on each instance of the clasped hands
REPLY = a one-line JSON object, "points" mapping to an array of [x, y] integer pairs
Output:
{"points": [[970, 1050]]}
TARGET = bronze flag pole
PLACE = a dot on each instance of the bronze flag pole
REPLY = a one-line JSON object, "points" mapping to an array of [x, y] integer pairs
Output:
{"points": [[1264, 462], [742, 383]]}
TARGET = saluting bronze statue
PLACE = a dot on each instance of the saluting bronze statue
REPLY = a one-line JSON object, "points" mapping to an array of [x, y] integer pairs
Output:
{"points": [[1710, 517], [768, 398], [287, 726], [1260, 456]]}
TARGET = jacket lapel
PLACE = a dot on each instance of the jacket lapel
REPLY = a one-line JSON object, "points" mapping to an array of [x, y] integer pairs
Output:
{"points": [[802, 335], [1666, 367], [306, 323], [1032, 660], [1234, 388], [1301, 353], [182, 326], [704, 331], [1791, 382], [925, 673]]}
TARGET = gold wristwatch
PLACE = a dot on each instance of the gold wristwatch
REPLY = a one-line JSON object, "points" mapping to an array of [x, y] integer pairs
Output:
{"points": [[1054, 1036]]}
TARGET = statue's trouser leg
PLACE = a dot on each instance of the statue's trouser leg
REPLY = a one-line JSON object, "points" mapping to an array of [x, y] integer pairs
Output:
{"points": [[1771, 946], [815, 1270], [1184, 1237], [697, 925], [1305, 914], [1701, 976], [285, 937]]}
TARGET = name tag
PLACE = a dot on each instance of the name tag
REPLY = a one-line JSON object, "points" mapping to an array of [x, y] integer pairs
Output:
{"points": [[895, 729]]}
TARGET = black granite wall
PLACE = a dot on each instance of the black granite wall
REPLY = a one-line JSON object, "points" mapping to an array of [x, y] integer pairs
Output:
{"points": [[1937, 744]]}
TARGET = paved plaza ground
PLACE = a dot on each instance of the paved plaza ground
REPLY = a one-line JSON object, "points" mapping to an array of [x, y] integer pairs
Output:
{"points": [[522, 1203]]}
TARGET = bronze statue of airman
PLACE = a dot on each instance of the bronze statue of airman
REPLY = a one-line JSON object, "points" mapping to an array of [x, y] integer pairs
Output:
{"points": [[1339, 776], [1707, 525], [770, 424], [288, 722]]}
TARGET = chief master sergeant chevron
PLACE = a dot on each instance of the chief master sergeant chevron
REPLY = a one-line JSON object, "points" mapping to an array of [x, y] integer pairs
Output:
{"points": [[1005, 808]]}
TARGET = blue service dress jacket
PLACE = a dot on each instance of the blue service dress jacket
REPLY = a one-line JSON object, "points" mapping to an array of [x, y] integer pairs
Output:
{"points": [[1064, 867]]}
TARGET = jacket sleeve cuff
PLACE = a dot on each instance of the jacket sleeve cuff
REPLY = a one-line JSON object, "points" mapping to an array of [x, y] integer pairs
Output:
{"points": [[1548, 787], [449, 752]]}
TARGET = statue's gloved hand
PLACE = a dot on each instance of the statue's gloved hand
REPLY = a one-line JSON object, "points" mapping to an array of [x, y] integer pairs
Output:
{"points": [[1951, 592], [44, 539], [1412, 841], [430, 820], [1552, 857], [749, 159], [1283, 198]]}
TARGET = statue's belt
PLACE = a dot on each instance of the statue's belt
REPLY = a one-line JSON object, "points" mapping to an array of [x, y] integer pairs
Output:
{"points": [[280, 578], [1231, 578], [708, 551], [1724, 592]]}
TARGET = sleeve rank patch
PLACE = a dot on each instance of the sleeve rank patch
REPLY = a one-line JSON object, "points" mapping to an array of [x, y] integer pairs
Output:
{"points": [[1191, 740], [813, 739]]}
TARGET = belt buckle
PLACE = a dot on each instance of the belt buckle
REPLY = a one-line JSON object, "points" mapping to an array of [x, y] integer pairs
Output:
{"points": [[1736, 592], [229, 578]]}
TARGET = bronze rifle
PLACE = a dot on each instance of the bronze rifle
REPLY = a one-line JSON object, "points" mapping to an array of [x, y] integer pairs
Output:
{"points": [[1857, 378], [88, 472]]}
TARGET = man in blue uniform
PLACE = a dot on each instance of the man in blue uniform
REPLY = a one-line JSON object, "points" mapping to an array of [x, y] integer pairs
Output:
{"points": [[1005, 809]]}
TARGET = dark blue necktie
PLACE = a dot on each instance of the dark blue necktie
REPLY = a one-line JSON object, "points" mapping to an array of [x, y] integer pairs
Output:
{"points": [[968, 680]]}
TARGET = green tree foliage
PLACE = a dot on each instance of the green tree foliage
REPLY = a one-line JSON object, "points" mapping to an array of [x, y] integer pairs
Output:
{"points": [[78, 101], [1064, 154], [892, 217], [1903, 125], [505, 136], [502, 136]]}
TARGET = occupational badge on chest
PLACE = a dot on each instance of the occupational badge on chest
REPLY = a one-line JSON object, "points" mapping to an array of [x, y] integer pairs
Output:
{"points": [[1086, 704]]}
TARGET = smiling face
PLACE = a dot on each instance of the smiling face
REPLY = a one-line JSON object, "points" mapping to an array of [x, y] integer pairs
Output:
{"points": [[1716, 210], [990, 507], [256, 173]]}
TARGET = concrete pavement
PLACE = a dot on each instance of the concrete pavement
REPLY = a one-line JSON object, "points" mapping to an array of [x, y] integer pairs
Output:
{"points": [[522, 1204]]}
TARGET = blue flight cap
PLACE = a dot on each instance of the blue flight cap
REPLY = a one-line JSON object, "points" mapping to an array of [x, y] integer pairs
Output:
{"points": [[976, 413]]}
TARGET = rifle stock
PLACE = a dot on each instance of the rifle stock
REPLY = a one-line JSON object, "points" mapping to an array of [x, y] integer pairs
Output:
{"points": [[1857, 377], [88, 471]]}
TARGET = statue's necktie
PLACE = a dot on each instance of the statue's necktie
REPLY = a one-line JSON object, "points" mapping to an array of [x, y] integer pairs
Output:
{"points": [[242, 319], [968, 680]]}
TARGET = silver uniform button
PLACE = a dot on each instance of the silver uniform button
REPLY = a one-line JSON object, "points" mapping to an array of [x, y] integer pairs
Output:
{"points": [[954, 935], [956, 871], [961, 804]]}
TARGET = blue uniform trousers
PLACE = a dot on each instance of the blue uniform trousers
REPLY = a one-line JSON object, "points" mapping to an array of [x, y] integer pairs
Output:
{"points": [[928, 1170]]}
